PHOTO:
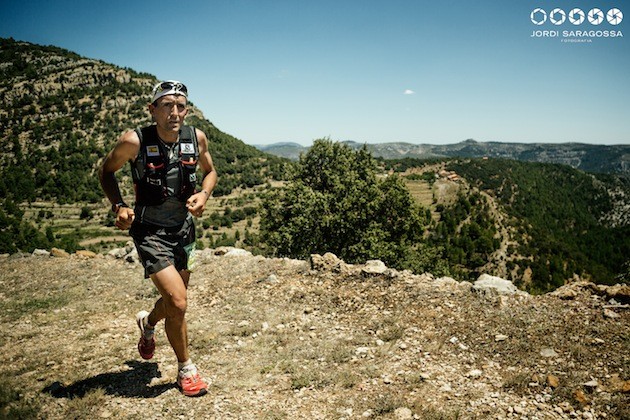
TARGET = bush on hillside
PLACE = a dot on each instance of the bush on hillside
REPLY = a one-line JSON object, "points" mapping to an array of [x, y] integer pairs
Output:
{"points": [[335, 203]]}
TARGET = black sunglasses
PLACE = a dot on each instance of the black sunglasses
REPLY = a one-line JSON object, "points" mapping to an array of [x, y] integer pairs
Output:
{"points": [[177, 86]]}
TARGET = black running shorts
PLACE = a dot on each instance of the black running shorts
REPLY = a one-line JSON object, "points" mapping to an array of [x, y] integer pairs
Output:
{"points": [[160, 247]]}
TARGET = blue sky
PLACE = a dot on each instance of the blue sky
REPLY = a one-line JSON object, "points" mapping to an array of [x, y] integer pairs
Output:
{"points": [[415, 71]]}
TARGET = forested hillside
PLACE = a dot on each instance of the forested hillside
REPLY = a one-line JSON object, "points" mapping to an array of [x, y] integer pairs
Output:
{"points": [[539, 225], [568, 221], [61, 113]]}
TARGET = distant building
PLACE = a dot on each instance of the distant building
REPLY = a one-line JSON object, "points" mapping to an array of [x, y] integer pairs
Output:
{"points": [[449, 175]]}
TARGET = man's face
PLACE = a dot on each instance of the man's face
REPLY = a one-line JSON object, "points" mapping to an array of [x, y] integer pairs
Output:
{"points": [[169, 112]]}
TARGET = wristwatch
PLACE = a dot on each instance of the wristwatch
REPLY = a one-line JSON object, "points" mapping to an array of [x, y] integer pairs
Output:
{"points": [[118, 206]]}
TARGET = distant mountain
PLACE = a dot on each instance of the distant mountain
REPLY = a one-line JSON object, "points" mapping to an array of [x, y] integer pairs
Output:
{"points": [[586, 157], [287, 150]]}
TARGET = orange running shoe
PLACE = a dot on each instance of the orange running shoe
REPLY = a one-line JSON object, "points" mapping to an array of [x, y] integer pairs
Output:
{"points": [[146, 346], [191, 383]]}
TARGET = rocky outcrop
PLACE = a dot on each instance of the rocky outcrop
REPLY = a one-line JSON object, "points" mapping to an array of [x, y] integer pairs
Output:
{"points": [[487, 284], [619, 293]]}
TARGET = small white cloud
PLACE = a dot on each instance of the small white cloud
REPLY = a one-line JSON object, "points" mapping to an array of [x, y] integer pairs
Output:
{"points": [[409, 92], [283, 74]]}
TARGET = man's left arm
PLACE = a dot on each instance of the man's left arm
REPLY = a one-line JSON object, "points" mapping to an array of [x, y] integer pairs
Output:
{"points": [[197, 202]]}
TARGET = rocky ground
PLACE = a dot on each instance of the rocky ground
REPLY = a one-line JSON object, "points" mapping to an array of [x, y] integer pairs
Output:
{"points": [[320, 339]]}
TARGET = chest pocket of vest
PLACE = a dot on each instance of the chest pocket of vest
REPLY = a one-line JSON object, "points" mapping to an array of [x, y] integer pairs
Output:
{"points": [[154, 191], [188, 168]]}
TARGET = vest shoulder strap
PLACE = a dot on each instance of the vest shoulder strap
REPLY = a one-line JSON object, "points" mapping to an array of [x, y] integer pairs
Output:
{"points": [[188, 144], [147, 135]]}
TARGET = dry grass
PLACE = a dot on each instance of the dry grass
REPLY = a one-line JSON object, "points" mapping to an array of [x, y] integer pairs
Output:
{"points": [[311, 345]]}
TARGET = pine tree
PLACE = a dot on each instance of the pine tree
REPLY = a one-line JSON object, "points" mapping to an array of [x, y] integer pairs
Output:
{"points": [[336, 203]]}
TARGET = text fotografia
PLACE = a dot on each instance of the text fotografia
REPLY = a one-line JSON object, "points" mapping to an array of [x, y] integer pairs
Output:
{"points": [[579, 21]]}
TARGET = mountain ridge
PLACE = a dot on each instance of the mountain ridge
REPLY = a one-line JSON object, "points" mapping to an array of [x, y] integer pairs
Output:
{"points": [[583, 156]]}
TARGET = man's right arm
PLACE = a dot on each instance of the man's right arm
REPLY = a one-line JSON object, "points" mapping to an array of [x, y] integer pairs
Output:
{"points": [[126, 150]]}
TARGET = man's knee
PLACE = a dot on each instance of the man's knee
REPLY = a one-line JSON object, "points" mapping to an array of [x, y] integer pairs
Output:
{"points": [[172, 287], [176, 306]]}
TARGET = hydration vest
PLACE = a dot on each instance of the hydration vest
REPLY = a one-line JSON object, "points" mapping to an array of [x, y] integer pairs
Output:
{"points": [[153, 169]]}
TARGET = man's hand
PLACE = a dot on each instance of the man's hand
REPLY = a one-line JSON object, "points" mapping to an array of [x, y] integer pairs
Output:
{"points": [[124, 218], [196, 204]]}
